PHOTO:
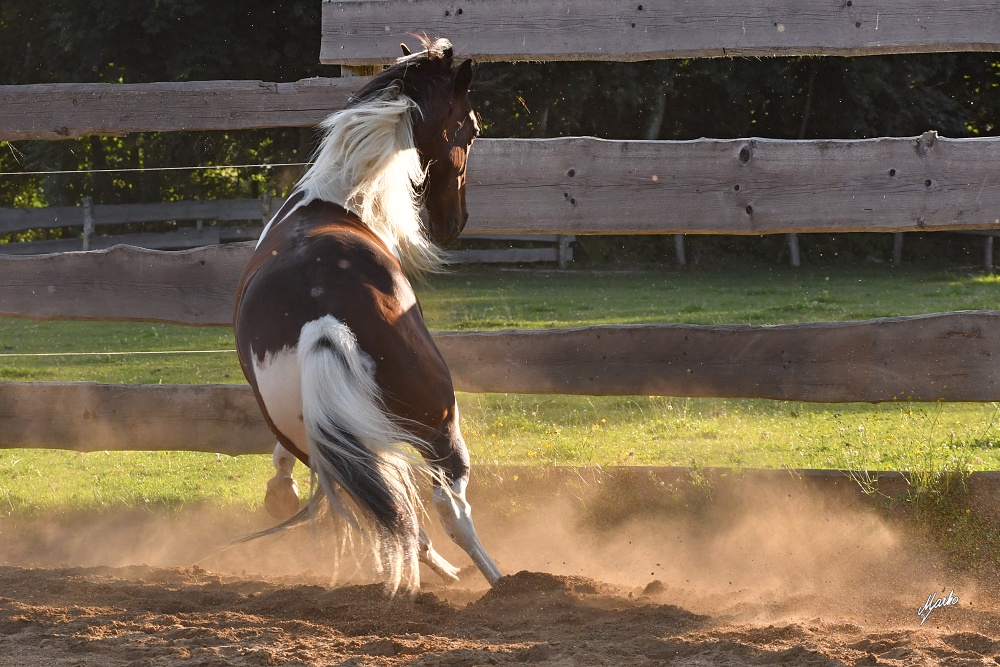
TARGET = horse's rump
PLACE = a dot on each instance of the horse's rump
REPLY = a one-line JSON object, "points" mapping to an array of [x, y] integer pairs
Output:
{"points": [[325, 265]]}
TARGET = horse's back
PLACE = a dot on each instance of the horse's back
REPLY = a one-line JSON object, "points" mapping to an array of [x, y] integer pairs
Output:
{"points": [[320, 262]]}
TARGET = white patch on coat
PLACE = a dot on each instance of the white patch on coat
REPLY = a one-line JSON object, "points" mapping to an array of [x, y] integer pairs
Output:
{"points": [[279, 381], [275, 220]]}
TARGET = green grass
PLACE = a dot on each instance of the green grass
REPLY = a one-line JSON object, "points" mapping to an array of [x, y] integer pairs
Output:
{"points": [[558, 430], [494, 300], [40, 481]]}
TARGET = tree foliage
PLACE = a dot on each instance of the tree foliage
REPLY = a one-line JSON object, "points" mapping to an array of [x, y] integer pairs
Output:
{"points": [[137, 41], [784, 98]]}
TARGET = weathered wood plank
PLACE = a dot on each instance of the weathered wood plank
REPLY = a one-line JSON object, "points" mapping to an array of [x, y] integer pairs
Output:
{"points": [[180, 239], [42, 247], [90, 417], [175, 240], [193, 287], [230, 234], [536, 238], [369, 31], [21, 219], [926, 358], [70, 110], [128, 283], [945, 357], [222, 209], [505, 255], [50, 217], [733, 186]]}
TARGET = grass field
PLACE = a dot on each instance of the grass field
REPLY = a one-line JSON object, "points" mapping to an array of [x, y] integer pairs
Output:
{"points": [[551, 430]]}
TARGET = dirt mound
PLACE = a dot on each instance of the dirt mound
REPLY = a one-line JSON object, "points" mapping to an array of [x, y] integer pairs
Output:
{"points": [[529, 583]]}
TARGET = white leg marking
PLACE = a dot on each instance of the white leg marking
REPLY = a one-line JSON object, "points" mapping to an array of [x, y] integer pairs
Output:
{"points": [[282, 498], [456, 517], [435, 561]]}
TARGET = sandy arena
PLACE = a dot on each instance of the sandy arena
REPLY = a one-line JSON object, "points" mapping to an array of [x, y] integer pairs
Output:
{"points": [[740, 577]]}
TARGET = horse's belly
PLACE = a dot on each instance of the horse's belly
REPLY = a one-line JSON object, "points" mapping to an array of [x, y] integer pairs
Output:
{"points": [[279, 381]]}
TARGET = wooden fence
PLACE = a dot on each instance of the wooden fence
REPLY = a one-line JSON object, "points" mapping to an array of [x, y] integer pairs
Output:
{"points": [[555, 247], [707, 186], [361, 32], [91, 218], [574, 186]]}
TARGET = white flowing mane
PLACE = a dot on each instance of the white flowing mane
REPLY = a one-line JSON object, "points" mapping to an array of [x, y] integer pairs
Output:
{"points": [[368, 163]]}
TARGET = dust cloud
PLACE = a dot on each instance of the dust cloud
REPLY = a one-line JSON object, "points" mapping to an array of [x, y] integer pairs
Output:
{"points": [[760, 555], [747, 550], [623, 572]]}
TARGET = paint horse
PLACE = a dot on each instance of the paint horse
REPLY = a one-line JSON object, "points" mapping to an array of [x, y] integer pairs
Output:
{"points": [[329, 331]]}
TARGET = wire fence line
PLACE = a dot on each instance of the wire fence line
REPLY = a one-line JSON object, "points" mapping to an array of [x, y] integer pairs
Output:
{"points": [[8, 355], [65, 172]]}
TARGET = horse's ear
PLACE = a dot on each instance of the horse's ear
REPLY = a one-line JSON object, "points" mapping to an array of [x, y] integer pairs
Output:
{"points": [[463, 77], [406, 49]]}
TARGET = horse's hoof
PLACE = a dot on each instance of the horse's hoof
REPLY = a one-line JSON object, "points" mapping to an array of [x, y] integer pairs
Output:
{"points": [[282, 498]]}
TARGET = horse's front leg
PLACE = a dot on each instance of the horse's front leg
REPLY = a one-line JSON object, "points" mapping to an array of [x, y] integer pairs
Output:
{"points": [[451, 459], [282, 498]]}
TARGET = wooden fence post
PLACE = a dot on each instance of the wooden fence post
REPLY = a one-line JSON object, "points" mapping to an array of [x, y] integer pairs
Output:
{"points": [[679, 249], [265, 208], [988, 254], [897, 248], [88, 221], [563, 253], [793, 250]]}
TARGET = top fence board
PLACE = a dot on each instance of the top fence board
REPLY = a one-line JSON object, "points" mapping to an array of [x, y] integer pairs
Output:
{"points": [[70, 110], [357, 32]]}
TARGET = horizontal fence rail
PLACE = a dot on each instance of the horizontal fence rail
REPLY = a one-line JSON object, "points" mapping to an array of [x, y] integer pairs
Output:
{"points": [[193, 287], [706, 186], [357, 32], [733, 186], [53, 217], [942, 357], [88, 417], [947, 357], [70, 110], [90, 218]]}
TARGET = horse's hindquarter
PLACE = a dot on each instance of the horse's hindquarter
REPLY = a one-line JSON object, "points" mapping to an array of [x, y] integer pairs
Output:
{"points": [[316, 264]]}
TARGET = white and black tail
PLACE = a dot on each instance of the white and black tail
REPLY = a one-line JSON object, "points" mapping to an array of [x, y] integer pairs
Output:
{"points": [[354, 444]]}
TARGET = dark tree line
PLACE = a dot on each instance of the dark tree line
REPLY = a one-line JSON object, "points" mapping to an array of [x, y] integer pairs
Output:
{"points": [[133, 41]]}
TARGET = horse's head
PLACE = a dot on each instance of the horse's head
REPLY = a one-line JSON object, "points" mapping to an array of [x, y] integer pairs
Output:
{"points": [[444, 126]]}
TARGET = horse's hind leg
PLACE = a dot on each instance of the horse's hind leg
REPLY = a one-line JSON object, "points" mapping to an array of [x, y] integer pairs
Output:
{"points": [[435, 561], [452, 459], [282, 498]]}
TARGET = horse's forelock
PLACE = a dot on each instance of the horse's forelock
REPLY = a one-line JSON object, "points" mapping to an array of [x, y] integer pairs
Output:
{"points": [[439, 48], [416, 75]]}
